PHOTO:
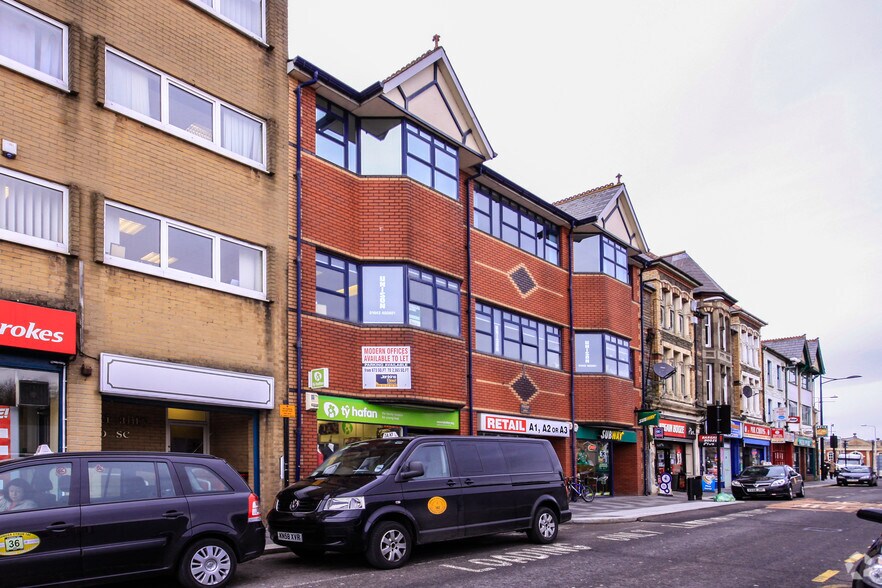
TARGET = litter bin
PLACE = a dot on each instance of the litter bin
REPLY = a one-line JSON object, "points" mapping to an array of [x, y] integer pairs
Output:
{"points": [[693, 488]]}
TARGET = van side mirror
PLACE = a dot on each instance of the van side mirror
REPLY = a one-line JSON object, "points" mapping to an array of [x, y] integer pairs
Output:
{"points": [[411, 470]]}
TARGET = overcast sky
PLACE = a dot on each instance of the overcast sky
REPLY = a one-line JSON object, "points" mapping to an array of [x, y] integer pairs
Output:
{"points": [[748, 133]]}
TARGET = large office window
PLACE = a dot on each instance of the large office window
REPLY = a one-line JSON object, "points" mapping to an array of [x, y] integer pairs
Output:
{"points": [[155, 98], [603, 353], [33, 44], [516, 337], [33, 212], [246, 15], [145, 242], [385, 147], [502, 218], [386, 294], [600, 254]]}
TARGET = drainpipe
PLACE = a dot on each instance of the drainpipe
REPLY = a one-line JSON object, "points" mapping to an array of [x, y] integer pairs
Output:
{"points": [[299, 261], [572, 348], [469, 380], [647, 485]]}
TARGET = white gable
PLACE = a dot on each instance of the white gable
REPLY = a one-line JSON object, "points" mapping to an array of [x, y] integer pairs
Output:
{"points": [[618, 219]]}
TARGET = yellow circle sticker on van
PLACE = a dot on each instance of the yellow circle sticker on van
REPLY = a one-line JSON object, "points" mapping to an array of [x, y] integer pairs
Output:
{"points": [[437, 505], [17, 543]]}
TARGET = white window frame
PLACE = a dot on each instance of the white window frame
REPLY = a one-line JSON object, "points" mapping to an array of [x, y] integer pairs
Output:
{"points": [[709, 383], [708, 331], [214, 10], [64, 245], [64, 82], [164, 271], [163, 124]]}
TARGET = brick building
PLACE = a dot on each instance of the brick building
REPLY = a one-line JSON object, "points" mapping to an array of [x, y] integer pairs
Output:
{"points": [[143, 229], [435, 291]]}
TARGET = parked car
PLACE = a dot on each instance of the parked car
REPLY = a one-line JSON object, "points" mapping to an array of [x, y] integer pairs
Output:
{"points": [[856, 474], [381, 497], [85, 517], [768, 480]]}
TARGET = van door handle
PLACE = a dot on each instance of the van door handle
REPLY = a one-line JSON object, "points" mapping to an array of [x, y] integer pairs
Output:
{"points": [[172, 514], [59, 527], [451, 483], [468, 482]]}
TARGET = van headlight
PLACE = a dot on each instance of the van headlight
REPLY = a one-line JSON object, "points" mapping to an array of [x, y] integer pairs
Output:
{"points": [[345, 503]]}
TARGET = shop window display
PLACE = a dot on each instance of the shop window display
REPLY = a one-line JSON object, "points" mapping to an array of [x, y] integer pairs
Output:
{"points": [[28, 411], [333, 435], [593, 462]]}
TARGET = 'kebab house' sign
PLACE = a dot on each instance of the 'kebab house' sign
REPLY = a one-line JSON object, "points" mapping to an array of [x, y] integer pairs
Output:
{"points": [[26, 326]]}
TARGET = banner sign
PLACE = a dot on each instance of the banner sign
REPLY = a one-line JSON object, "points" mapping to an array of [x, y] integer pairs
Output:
{"points": [[676, 429], [382, 294], [385, 367], [646, 418], [501, 423], [757, 431], [804, 442], [710, 440], [778, 436], [333, 408], [617, 435], [27, 326]]}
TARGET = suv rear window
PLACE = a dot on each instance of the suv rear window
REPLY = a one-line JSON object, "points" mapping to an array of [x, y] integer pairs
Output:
{"points": [[526, 458], [202, 479]]}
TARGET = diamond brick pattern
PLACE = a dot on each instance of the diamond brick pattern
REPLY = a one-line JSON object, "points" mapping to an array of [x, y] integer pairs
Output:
{"points": [[524, 388], [523, 280]]}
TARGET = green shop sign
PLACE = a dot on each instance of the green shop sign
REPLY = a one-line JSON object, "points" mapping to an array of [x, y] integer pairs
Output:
{"points": [[646, 418], [617, 435], [332, 408]]}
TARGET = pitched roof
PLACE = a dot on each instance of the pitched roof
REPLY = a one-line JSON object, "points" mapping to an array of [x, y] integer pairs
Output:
{"points": [[817, 358], [789, 347], [683, 261], [589, 203]]}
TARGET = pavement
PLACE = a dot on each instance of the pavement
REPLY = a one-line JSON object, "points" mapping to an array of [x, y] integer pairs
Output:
{"points": [[627, 509]]}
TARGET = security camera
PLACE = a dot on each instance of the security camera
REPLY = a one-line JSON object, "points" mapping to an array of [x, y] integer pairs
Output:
{"points": [[10, 149]]}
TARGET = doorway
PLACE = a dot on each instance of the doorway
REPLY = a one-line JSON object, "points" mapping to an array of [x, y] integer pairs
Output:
{"points": [[187, 431]]}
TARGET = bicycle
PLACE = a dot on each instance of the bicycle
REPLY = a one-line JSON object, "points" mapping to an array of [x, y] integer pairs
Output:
{"points": [[578, 489]]}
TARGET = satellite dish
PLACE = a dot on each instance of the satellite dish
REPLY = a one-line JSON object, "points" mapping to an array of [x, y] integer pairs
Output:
{"points": [[747, 391], [663, 370]]}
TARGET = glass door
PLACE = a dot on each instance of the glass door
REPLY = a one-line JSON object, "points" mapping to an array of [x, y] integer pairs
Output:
{"points": [[187, 431]]}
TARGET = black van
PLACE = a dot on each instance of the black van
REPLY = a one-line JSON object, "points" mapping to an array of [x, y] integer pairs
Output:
{"points": [[383, 496], [73, 518]]}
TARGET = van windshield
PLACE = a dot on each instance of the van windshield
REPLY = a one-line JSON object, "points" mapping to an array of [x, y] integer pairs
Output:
{"points": [[366, 458]]}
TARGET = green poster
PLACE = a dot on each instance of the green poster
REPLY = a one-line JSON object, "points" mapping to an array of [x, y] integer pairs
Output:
{"points": [[333, 408]]}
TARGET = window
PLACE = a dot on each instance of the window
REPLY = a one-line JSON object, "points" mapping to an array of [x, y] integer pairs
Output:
{"points": [[683, 389], [672, 312], [792, 409], [526, 458], [724, 386], [33, 212], [377, 294], [708, 331], [33, 44], [336, 288], [603, 353], [155, 98], [599, 254], [336, 135], [478, 458], [434, 460], [246, 15], [709, 383], [502, 218], [769, 372], [201, 479], [724, 334], [517, 337], [120, 481], [806, 414], [385, 147], [145, 242], [35, 487], [791, 376], [778, 377]]}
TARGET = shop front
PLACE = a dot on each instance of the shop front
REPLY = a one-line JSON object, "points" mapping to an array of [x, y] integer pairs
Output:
{"points": [[782, 447], [150, 405], [804, 457], [596, 450], [736, 444], [674, 451], [716, 461], [342, 421], [756, 445], [36, 344]]}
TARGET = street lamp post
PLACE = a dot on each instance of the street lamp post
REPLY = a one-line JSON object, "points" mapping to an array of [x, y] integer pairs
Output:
{"points": [[821, 402], [873, 459]]}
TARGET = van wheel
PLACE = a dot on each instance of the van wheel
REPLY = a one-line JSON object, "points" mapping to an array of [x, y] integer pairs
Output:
{"points": [[209, 562], [545, 525], [389, 546]]}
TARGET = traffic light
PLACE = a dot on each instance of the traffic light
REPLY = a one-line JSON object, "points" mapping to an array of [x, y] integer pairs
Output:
{"points": [[834, 442]]}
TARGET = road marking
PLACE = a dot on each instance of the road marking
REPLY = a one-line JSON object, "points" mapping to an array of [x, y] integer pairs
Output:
{"points": [[825, 576], [629, 535], [854, 557], [525, 555], [819, 505]]}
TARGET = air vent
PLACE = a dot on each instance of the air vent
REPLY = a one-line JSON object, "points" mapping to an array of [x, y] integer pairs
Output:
{"points": [[33, 393]]}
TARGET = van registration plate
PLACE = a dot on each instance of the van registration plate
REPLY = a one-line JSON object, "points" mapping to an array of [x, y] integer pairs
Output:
{"points": [[283, 536]]}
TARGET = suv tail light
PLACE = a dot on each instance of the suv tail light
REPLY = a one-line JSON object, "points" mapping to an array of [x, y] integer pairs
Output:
{"points": [[253, 509]]}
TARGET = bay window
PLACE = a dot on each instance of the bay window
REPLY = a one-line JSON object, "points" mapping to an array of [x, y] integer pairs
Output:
{"points": [[600, 254], [517, 337], [603, 353], [502, 218]]}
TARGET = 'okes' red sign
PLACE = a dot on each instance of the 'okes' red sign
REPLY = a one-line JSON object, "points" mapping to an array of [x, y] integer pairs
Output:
{"points": [[35, 327]]}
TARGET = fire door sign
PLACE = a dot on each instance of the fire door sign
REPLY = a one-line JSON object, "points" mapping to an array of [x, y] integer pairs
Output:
{"points": [[5, 424]]}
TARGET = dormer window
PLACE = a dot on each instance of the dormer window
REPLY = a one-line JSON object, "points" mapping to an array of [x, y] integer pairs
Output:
{"points": [[385, 147]]}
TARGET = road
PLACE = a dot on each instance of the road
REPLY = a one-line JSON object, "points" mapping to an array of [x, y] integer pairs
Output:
{"points": [[804, 542]]}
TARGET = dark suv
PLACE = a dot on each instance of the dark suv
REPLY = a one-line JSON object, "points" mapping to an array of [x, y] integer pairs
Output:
{"points": [[83, 517]]}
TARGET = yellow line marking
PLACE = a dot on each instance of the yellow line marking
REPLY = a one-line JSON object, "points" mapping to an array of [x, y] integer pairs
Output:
{"points": [[854, 557], [825, 576]]}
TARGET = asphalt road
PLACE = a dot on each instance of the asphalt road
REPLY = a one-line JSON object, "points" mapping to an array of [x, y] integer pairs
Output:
{"points": [[768, 543]]}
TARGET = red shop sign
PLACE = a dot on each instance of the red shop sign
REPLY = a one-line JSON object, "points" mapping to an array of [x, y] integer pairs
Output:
{"points": [[673, 428], [758, 431], [36, 327]]}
